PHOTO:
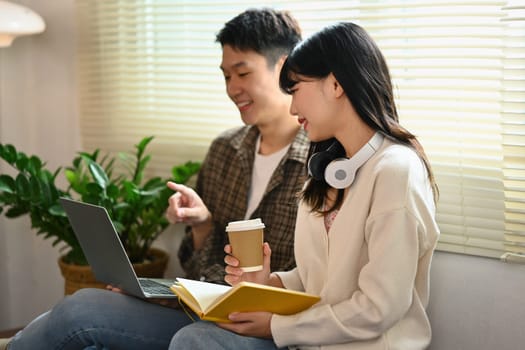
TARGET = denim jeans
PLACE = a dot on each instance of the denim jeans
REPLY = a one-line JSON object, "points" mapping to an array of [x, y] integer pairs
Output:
{"points": [[99, 319], [206, 336]]}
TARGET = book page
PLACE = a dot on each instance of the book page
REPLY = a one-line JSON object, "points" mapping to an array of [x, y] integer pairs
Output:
{"points": [[186, 298], [204, 292]]}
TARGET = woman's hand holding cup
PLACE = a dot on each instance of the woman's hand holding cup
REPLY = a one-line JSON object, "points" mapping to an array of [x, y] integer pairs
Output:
{"points": [[236, 274]]}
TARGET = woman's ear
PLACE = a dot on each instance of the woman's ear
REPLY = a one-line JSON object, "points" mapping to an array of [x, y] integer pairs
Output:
{"points": [[335, 86]]}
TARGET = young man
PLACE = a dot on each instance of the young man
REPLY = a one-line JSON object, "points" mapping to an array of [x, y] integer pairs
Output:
{"points": [[252, 171]]}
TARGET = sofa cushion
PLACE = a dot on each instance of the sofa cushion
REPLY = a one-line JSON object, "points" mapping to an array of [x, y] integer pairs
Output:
{"points": [[476, 303]]}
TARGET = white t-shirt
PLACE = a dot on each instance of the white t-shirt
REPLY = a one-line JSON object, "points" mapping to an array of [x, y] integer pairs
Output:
{"points": [[263, 168]]}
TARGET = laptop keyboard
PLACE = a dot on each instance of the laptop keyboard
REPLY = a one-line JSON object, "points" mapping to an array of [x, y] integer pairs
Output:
{"points": [[153, 287]]}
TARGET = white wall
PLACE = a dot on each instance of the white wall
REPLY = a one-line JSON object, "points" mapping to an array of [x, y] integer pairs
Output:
{"points": [[38, 114]]}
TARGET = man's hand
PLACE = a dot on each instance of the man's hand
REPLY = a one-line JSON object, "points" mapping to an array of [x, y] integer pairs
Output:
{"points": [[168, 302], [186, 206], [114, 289]]}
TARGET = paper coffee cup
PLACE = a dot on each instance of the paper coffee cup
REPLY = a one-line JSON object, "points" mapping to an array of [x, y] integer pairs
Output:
{"points": [[246, 239]]}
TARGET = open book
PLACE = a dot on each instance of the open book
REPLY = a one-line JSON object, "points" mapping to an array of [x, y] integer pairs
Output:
{"points": [[214, 302]]}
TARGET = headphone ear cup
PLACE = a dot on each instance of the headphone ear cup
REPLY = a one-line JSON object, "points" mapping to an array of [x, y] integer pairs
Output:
{"points": [[318, 163], [340, 173]]}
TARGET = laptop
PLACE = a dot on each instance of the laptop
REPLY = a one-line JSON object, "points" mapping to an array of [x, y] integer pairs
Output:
{"points": [[105, 253]]}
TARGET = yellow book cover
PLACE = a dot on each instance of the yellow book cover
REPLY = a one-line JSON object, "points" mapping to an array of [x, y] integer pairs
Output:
{"points": [[214, 302]]}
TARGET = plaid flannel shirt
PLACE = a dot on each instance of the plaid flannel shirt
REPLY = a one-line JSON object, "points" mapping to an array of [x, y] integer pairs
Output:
{"points": [[223, 183]]}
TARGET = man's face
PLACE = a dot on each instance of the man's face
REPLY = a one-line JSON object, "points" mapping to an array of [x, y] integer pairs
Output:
{"points": [[253, 86]]}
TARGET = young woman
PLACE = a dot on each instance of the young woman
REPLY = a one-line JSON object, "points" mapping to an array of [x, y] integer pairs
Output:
{"points": [[365, 231]]}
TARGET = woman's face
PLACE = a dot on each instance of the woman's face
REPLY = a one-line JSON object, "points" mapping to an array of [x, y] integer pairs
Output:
{"points": [[314, 104]]}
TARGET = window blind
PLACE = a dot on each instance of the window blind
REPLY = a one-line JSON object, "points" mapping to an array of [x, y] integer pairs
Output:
{"points": [[513, 128], [446, 59], [150, 67]]}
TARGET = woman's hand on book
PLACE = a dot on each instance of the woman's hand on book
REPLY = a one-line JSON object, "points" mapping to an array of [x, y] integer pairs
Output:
{"points": [[235, 274], [253, 324]]}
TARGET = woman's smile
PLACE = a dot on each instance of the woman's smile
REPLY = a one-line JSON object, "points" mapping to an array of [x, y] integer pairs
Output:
{"points": [[303, 122]]}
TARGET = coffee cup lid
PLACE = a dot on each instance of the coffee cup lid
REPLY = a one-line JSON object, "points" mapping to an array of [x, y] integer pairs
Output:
{"points": [[244, 225]]}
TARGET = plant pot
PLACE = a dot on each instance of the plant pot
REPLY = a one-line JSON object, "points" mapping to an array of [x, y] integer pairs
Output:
{"points": [[80, 276]]}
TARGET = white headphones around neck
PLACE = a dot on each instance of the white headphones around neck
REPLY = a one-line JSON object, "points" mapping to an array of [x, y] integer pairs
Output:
{"points": [[340, 172]]}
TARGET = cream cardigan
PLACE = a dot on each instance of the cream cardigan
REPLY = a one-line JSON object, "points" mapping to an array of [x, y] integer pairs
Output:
{"points": [[372, 269]]}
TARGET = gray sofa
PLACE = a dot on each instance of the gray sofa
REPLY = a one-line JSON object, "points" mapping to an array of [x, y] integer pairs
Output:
{"points": [[476, 303]]}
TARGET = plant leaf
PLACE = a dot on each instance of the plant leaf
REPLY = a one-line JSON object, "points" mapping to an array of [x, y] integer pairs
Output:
{"points": [[71, 176], [34, 165], [99, 175], [94, 188], [142, 145], [112, 191], [21, 161], [22, 187], [57, 210], [46, 188], [9, 154], [182, 173], [131, 191], [35, 190], [7, 184], [15, 212]]}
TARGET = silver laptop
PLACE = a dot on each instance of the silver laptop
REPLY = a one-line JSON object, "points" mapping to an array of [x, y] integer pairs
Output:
{"points": [[106, 255]]}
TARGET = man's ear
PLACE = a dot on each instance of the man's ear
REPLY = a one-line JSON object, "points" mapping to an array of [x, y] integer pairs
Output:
{"points": [[279, 64]]}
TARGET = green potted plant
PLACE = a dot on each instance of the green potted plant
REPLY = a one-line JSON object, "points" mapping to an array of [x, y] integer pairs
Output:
{"points": [[135, 204]]}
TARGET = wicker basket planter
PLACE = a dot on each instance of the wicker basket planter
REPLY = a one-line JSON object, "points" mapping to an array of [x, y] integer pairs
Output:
{"points": [[77, 277]]}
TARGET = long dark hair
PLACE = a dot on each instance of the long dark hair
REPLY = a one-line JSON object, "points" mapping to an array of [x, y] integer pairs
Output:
{"points": [[347, 51]]}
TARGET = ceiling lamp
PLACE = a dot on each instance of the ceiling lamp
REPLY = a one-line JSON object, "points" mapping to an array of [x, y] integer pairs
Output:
{"points": [[17, 20]]}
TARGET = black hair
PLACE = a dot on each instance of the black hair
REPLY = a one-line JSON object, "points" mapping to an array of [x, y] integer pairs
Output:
{"points": [[266, 31], [348, 52]]}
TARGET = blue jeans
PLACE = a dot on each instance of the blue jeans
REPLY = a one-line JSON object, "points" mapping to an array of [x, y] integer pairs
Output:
{"points": [[99, 319], [206, 336]]}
